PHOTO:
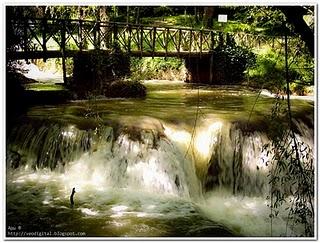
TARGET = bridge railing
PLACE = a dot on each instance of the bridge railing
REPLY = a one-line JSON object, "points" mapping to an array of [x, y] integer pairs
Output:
{"points": [[45, 35], [56, 34]]}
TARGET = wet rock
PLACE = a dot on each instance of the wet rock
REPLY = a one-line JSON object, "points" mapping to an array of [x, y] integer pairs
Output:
{"points": [[14, 159], [210, 231]]}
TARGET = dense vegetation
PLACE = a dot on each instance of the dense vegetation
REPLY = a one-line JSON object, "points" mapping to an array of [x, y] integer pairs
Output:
{"points": [[157, 68], [269, 72], [229, 56], [273, 65], [268, 69]]}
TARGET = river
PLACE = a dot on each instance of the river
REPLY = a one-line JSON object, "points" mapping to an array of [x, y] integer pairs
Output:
{"points": [[163, 166]]}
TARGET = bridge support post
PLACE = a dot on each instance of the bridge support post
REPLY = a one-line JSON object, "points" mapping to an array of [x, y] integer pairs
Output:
{"points": [[63, 49], [25, 37], [200, 69], [211, 68], [44, 38], [64, 69]]}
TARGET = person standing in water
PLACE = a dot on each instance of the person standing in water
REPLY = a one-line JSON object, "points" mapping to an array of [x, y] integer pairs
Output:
{"points": [[71, 197]]}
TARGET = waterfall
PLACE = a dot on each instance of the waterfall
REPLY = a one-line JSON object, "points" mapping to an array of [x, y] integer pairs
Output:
{"points": [[151, 169], [236, 162], [127, 158], [48, 145], [158, 159]]}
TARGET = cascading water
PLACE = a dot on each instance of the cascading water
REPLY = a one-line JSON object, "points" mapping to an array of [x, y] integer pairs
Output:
{"points": [[142, 159], [146, 177]]}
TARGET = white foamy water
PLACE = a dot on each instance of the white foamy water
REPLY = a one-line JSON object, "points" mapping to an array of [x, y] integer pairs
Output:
{"points": [[249, 215], [32, 71]]}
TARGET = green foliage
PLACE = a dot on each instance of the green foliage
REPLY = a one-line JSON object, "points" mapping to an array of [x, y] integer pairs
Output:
{"points": [[62, 12], [269, 72], [156, 68], [163, 11], [71, 12], [44, 86], [18, 12], [230, 61], [270, 19], [298, 88], [235, 26], [251, 19], [179, 20], [69, 65], [301, 61], [291, 173]]}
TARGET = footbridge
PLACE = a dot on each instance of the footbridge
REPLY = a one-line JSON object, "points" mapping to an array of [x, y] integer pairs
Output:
{"points": [[53, 38]]}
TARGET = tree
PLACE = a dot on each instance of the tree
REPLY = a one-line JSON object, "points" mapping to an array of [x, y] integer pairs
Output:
{"points": [[277, 20], [294, 16]]}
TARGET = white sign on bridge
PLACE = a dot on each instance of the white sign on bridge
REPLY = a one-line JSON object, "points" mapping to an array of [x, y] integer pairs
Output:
{"points": [[222, 18]]}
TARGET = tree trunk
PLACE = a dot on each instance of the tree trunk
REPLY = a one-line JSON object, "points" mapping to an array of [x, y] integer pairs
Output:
{"points": [[208, 16], [196, 14], [128, 14], [137, 15]]}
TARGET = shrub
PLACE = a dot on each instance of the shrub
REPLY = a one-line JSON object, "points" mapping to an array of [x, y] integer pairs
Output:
{"points": [[126, 89], [230, 62], [298, 89]]}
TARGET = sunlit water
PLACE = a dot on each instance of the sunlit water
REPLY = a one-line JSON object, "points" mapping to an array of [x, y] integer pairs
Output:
{"points": [[140, 167], [32, 71]]}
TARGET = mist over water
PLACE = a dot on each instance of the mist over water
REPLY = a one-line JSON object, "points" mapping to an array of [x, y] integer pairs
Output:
{"points": [[134, 175]]}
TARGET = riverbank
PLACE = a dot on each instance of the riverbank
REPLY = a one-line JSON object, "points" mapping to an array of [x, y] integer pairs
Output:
{"points": [[142, 69], [309, 97]]}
